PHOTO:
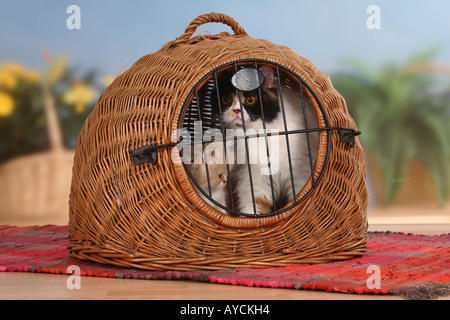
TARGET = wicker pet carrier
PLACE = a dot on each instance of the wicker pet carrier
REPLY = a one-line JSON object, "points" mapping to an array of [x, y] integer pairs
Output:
{"points": [[136, 201]]}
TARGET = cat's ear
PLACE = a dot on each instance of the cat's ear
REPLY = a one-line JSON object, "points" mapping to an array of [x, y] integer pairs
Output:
{"points": [[224, 75], [269, 77]]}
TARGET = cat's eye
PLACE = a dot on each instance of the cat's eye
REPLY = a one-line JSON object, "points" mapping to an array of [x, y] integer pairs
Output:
{"points": [[250, 100], [226, 100]]}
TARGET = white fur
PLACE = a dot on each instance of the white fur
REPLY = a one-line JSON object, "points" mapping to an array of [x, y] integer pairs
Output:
{"points": [[281, 177]]}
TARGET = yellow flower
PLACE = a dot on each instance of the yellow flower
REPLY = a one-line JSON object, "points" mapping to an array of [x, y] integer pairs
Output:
{"points": [[13, 68], [11, 72], [6, 104], [32, 76], [78, 96], [7, 80]]}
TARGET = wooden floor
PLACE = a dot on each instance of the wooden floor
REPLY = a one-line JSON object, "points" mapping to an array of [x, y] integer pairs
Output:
{"points": [[54, 287]]}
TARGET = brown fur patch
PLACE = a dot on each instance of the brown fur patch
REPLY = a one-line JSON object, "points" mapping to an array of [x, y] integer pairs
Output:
{"points": [[263, 205]]}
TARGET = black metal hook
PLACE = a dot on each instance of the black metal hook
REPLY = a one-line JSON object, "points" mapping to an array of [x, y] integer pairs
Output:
{"points": [[348, 136], [148, 153]]}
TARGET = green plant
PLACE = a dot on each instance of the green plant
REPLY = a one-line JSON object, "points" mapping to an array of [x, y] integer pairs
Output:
{"points": [[403, 114]]}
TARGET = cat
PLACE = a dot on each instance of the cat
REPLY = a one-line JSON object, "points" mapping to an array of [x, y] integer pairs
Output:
{"points": [[213, 181], [239, 110]]}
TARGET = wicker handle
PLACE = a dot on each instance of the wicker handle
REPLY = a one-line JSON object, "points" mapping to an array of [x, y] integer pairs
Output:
{"points": [[207, 18]]}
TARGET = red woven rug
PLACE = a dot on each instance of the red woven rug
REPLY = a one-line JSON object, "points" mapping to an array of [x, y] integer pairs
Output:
{"points": [[415, 266]]}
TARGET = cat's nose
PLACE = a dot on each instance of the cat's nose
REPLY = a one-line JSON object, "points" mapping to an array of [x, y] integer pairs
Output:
{"points": [[237, 111]]}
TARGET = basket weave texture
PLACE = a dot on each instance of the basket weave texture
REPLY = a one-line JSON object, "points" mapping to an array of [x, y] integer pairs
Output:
{"points": [[150, 216]]}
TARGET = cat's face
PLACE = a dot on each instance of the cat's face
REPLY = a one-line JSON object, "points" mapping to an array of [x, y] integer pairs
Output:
{"points": [[246, 107], [217, 176]]}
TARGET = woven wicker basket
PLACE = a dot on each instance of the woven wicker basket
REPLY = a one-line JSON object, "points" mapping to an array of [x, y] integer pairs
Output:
{"points": [[150, 216], [34, 189]]}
